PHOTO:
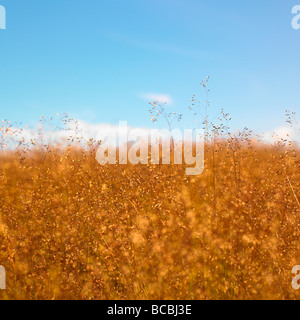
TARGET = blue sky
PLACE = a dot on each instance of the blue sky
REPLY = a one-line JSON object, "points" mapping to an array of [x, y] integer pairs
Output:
{"points": [[100, 60]]}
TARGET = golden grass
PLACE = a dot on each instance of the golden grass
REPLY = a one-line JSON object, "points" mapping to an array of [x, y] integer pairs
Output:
{"points": [[71, 229]]}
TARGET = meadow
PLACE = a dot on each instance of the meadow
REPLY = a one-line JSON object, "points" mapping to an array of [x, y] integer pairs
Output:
{"points": [[72, 229]]}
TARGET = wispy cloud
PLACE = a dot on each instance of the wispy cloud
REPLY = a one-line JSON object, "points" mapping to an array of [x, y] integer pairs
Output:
{"points": [[162, 98], [148, 44]]}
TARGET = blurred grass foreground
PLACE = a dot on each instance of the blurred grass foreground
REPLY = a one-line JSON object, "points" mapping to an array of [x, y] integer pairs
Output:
{"points": [[72, 229]]}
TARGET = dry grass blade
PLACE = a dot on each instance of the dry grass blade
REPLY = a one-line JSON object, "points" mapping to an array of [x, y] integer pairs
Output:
{"points": [[293, 192]]}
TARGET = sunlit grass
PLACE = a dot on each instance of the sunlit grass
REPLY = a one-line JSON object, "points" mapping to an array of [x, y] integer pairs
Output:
{"points": [[72, 229]]}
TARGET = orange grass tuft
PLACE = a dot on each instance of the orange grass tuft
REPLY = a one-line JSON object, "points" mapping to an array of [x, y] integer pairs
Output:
{"points": [[71, 229]]}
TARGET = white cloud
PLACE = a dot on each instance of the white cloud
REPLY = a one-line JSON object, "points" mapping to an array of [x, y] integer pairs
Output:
{"points": [[84, 131], [78, 131], [162, 98], [285, 133]]}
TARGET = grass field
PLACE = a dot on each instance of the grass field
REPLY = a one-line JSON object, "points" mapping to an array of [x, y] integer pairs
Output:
{"points": [[72, 229]]}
